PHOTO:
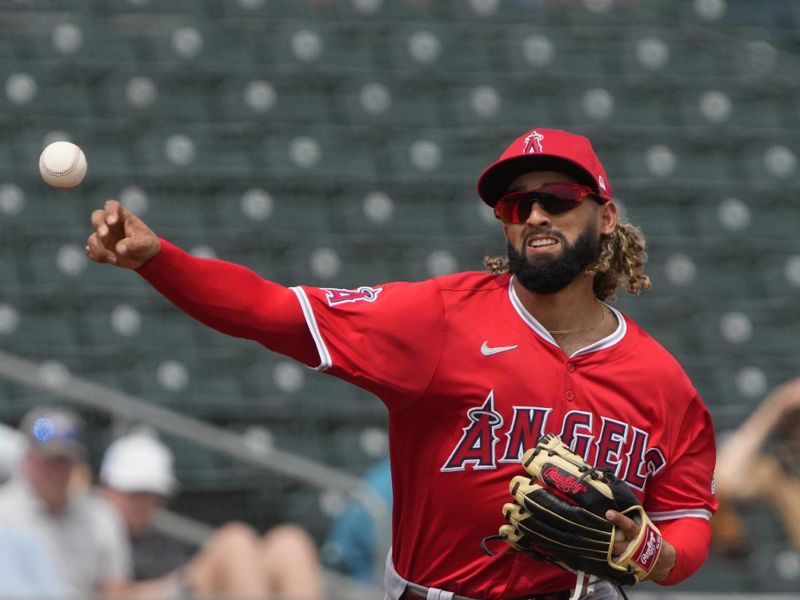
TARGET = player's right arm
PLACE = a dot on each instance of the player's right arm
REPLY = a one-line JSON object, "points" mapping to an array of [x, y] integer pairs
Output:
{"points": [[222, 295]]}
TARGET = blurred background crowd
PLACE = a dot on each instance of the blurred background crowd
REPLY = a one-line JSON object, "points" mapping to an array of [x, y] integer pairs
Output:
{"points": [[338, 143]]}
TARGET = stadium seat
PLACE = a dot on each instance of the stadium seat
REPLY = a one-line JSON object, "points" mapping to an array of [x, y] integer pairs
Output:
{"points": [[367, 100], [18, 399], [777, 268], [191, 154], [181, 45], [171, 8], [318, 49], [739, 16], [254, 11], [768, 331], [338, 144], [262, 98], [49, 330], [432, 48], [9, 276], [321, 153]]}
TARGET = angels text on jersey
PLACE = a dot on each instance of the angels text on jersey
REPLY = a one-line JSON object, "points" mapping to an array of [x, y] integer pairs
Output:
{"points": [[617, 447]]}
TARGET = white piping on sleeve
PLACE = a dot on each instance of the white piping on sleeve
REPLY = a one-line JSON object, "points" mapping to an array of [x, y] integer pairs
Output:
{"points": [[690, 513], [324, 356]]}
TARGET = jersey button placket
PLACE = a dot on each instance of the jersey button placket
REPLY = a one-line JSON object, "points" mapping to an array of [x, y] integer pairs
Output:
{"points": [[569, 394]]}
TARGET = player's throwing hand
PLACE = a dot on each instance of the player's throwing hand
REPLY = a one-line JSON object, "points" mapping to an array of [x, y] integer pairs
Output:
{"points": [[120, 238]]}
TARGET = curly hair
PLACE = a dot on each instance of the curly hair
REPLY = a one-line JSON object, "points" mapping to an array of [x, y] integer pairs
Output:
{"points": [[621, 262]]}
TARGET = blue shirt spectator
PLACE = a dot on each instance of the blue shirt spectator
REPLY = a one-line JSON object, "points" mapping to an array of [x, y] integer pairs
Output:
{"points": [[351, 545]]}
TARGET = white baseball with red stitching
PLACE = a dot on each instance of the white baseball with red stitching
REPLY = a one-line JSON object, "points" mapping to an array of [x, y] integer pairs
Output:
{"points": [[62, 165]]}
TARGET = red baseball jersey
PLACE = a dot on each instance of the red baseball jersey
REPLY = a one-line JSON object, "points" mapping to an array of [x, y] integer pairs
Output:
{"points": [[471, 379]]}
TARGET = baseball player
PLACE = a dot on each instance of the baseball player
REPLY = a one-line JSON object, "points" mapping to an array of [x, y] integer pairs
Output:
{"points": [[475, 367]]}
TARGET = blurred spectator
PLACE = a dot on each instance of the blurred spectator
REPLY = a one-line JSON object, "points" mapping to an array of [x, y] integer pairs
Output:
{"points": [[137, 478], [351, 546], [73, 539], [12, 445], [760, 463], [27, 570]]}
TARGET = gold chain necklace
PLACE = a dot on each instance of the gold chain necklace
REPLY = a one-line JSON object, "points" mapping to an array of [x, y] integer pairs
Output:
{"points": [[595, 326]]}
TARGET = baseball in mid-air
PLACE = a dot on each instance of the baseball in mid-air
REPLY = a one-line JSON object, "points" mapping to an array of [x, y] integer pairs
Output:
{"points": [[62, 164]]}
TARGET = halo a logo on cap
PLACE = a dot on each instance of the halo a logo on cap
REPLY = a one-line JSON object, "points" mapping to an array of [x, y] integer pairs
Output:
{"points": [[533, 143], [601, 183], [43, 430]]}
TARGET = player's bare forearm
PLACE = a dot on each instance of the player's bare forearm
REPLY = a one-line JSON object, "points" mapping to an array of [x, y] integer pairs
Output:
{"points": [[666, 561]]}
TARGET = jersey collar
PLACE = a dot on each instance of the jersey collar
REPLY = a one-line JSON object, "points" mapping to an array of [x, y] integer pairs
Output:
{"points": [[607, 342]]}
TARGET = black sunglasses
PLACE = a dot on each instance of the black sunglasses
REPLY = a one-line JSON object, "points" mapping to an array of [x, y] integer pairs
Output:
{"points": [[554, 198]]}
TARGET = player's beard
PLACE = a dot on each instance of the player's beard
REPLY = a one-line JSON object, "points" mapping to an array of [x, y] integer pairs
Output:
{"points": [[548, 274]]}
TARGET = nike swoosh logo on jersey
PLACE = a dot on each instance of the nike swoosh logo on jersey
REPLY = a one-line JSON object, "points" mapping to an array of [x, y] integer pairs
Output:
{"points": [[487, 350]]}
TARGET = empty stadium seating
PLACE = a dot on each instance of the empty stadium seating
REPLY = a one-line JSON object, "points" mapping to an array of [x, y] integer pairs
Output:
{"points": [[338, 143]]}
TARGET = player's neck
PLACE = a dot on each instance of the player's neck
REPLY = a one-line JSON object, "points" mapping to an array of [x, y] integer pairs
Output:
{"points": [[573, 308]]}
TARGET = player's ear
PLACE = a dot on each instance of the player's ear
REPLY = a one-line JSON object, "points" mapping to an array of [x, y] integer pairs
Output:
{"points": [[608, 217]]}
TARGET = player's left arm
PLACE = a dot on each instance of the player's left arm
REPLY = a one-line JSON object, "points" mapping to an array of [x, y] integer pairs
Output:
{"points": [[681, 500]]}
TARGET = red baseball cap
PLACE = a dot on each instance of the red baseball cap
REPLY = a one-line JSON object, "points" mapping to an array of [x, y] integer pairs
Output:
{"points": [[545, 150]]}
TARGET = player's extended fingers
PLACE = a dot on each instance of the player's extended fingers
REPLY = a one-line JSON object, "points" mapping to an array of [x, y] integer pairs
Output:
{"points": [[112, 208], [99, 223], [97, 218], [115, 217], [96, 251]]}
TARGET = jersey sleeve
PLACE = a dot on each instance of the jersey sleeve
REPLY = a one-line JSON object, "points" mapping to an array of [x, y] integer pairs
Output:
{"points": [[386, 339], [691, 540], [685, 488], [232, 299]]}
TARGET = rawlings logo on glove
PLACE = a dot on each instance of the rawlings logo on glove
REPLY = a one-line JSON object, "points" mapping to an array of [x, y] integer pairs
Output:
{"points": [[563, 482], [558, 515], [647, 554]]}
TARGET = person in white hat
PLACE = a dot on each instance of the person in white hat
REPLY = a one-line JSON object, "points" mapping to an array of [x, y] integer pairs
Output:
{"points": [[137, 477]]}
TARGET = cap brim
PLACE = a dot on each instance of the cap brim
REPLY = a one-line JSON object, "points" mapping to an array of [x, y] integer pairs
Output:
{"points": [[129, 485], [494, 182]]}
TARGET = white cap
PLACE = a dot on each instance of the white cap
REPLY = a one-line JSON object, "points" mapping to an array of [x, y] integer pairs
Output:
{"points": [[138, 462]]}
